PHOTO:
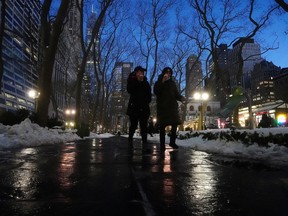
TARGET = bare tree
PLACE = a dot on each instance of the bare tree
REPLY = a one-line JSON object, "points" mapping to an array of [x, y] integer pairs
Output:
{"points": [[152, 32], [106, 53], [257, 25], [214, 29], [49, 33], [86, 49], [282, 4], [218, 25]]}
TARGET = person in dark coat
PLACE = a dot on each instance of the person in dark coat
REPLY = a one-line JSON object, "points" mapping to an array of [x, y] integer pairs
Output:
{"points": [[167, 95], [138, 107], [265, 122]]}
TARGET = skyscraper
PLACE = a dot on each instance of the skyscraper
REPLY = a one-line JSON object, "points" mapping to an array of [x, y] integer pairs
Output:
{"points": [[20, 54], [251, 55], [120, 97], [217, 91], [194, 75], [262, 85], [66, 65]]}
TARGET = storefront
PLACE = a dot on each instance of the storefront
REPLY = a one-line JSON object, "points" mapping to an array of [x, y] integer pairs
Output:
{"points": [[277, 111]]}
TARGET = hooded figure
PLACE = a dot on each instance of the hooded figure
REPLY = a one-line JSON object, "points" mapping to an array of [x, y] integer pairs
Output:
{"points": [[138, 107], [167, 106]]}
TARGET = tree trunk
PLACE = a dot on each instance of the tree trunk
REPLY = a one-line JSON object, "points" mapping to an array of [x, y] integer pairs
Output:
{"points": [[49, 38]]}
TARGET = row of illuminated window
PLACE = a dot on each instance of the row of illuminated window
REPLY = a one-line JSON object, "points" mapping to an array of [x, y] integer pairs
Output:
{"points": [[16, 102], [14, 90]]}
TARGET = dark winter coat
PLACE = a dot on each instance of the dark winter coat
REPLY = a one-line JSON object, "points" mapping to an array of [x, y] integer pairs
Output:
{"points": [[167, 106], [140, 97]]}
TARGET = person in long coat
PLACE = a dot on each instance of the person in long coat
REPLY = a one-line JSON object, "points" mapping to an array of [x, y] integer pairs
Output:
{"points": [[167, 95], [138, 107]]}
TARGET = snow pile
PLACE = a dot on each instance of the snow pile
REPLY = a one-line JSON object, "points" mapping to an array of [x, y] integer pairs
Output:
{"points": [[30, 134]]}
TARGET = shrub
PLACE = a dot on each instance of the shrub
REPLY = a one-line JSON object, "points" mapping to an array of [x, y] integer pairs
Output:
{"points": [[14, 117], [83, 130], [52, 122], [8, 118], [244, 137]]}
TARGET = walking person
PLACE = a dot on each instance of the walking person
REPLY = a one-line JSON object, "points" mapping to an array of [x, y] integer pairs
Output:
{"points": [[167, 95], [138, 107]]}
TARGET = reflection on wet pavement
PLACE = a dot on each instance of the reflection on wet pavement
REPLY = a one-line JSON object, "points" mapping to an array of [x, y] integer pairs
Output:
{"points": [[101, 176]]}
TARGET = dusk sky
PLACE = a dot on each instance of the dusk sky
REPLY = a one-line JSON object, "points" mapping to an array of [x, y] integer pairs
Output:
{"points": [[277, 33]]}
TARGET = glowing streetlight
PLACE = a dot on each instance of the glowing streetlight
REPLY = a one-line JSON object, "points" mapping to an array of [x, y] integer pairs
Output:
{"points": [[34, 95], [203, 97], [70, 113]]}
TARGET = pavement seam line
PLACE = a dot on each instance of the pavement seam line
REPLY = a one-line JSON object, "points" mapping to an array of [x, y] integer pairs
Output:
{"points": [[147, 205]]}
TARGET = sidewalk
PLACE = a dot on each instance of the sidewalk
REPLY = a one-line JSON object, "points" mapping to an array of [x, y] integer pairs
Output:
{"points": [[103, 177], [189, 182]]}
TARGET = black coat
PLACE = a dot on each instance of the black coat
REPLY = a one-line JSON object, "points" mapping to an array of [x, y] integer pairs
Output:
{"points": [[167, 105], [140, 97]]}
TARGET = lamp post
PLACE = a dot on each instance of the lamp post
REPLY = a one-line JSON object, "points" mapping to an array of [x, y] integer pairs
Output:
{"points": [[34, 95], [202, 97], [70, 113]]}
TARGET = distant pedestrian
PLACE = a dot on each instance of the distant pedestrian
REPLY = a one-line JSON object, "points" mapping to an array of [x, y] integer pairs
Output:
{"points": [[265, 121], [138, 106], [167, 106]]}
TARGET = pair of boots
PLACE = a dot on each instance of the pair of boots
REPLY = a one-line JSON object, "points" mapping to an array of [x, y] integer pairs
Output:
{"points": [[171, 144]]}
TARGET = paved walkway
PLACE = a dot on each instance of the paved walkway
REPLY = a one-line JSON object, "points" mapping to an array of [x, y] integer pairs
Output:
{"points": [[102, 177]]}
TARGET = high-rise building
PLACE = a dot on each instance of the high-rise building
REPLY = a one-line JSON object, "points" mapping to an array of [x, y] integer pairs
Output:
{"points": [[251, 55], [120, 97], [66, 65], [89, 82], [214, 81], [20, 54], [280, 85], [262, 86], [194, 75]]}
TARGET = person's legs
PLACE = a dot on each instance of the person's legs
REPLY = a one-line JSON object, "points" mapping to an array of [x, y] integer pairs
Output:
{"points": [[132, 128], [173, 136], [144, 131], [143, 128], [162, 137]]}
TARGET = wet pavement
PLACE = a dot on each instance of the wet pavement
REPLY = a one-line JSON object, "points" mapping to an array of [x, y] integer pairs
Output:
{"points": [[102, 177]]}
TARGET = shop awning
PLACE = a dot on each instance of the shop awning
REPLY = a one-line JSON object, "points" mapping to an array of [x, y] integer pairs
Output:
{"points": [[230, 106], [267, 107]]}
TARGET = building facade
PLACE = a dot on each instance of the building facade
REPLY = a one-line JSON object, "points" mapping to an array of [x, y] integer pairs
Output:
{"points": [[20, 54], [210, 114], [262, 85], [194, 75], [214, 81], [120, 97], [251, 55]]}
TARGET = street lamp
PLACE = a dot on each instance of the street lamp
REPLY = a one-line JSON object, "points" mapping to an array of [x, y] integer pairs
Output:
{"points": [[202, 97], [34, 95], [70, 113]]}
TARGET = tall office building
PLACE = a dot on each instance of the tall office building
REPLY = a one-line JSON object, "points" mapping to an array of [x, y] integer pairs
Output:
{"points": [[194, 75], [66, 65], [280, 85], [214, 81], [120, 97], [262, 85], [89, 76], [251, 55], [20, 54]]}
